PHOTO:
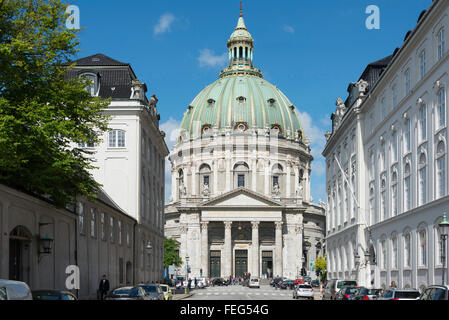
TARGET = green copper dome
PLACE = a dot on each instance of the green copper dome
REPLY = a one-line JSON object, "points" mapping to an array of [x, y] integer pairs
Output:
{"points": [[241, 99]]}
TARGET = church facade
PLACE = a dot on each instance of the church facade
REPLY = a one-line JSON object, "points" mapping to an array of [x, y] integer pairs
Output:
{"points": [[241, 178]]}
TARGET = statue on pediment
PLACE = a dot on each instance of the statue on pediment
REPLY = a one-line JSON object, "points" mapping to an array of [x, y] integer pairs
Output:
{"points": [[206, 190], [276, 191]]}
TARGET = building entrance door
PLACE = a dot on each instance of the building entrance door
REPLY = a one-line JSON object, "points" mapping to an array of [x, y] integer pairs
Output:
{"points": [[241, 262], [19, 254], [267, 264], [215, 264]]}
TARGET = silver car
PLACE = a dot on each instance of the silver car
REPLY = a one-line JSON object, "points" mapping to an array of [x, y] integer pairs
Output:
{"points": [[303, 291], [401, 294], [14, 290]]}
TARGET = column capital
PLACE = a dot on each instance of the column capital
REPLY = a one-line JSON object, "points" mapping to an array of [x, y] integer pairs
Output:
{"points": [[278, 225], [228, 224], [299, 229], [204, 224], [255, 224]]}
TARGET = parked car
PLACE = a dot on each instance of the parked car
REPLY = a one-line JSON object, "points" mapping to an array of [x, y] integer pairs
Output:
{"points": [[368, 294], [303, 291], [128, 293], [276, 281], [347, 293], [153, 291], [254, 283], [315, 283], [401, 294], [202, 282], [435, 292], [53, 295], [168, 295], [333, 286], [14, 290]]}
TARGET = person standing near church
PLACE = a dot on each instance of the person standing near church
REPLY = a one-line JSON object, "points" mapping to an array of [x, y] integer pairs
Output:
{"points": [[104, 287]]}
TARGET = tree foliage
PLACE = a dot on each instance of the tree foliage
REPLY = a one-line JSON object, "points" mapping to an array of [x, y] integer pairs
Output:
{"points": [[171, 256], [321, 266], [42, 114]]}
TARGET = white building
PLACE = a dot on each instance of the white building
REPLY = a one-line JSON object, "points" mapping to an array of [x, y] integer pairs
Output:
{"points": [[241, 177], [131, 158], [390, 138]]}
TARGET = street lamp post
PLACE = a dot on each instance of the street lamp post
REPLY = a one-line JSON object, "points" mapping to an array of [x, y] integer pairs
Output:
{"points": [[149, 249], [444, 229], [187, 275]]}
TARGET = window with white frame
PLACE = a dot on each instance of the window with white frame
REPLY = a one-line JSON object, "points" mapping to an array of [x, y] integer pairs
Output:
{"points": [[422, 177], [422, 63], [441, 44], [103, 226], [423, 123], [93, 86], [119, 227], [394, 93], [423, 247], [81, 224], [111, 228], [442, 107], [116, 139], [394, 194], [394, 147], [407, 188], [441, 170], [407, 136], [407, 250], [408, 87], [93, 222], [83, 145], [394, 252], [371, 206]]}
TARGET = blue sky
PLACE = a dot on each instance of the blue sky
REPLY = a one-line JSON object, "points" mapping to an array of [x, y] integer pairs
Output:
{"points": [[310, 49]]}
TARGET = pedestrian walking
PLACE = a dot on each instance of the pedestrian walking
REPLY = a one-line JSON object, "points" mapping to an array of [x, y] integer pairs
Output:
{"points": [[196, 283], [103, 287]]}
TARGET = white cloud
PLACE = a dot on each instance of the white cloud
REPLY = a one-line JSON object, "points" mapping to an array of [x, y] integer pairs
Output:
{"points": [[207, 58], [289, 29], [171, 129], [164, 24]]}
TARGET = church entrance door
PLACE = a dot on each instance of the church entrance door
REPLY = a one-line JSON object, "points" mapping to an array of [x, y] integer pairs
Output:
{"points": [[241, 262], [215, 264]]}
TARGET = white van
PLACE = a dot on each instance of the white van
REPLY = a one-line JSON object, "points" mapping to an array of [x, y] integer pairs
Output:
{"points": [[333, 286], [14, 290]]}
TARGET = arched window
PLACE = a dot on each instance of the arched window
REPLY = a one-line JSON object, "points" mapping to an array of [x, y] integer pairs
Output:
{"points": [[383, 258], [422, 177], [422, 247], [205, 175], [394, 252], [277, 172], [371, 205], [441, 170], [240, 53], [241, 171], [116, 139], [407, 250], [442, 108]]}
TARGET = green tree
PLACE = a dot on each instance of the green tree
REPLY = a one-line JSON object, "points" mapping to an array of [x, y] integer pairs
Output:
{"points": [[42, 114], [321, 266], [171, 255]]}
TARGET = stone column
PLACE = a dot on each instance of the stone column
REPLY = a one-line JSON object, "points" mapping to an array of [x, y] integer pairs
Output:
{"points": [[288, 181], [204, 248], [193, 170], [228, 175], [183, 246], [215, 185], [255, 245], [174, 185], [227, 259], [278, 250]]}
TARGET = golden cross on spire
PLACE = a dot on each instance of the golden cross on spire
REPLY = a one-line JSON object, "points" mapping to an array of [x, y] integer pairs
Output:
{"points": [[241, 8]]}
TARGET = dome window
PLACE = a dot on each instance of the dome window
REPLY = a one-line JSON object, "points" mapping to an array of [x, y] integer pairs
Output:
{"points": [[210, 102], [206, 129], [241, 99], [271, 102], [277, 129], [241, 126]]}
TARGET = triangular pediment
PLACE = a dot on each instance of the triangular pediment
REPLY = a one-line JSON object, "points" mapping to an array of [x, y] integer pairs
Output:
{"points": [[241, 198]]}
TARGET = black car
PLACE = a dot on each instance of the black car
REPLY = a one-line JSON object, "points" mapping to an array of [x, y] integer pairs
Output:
{"points": [[220, 282], [53, 295], [154, 291], [315, 283], [287, 284], [368, 294], [347, 293]]}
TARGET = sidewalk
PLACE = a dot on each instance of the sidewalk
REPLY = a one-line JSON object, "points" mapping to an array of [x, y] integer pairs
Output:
{"points": [[182, 296]]}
